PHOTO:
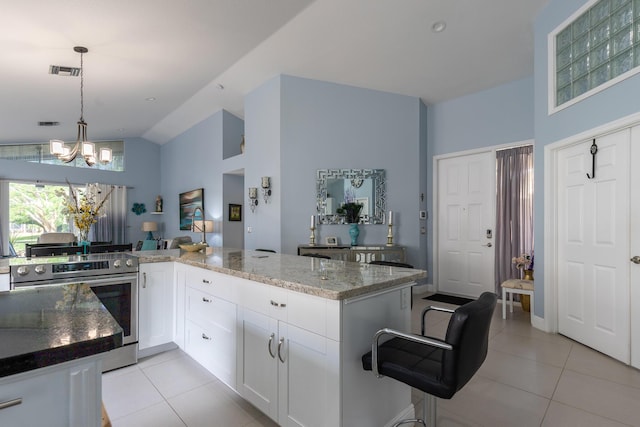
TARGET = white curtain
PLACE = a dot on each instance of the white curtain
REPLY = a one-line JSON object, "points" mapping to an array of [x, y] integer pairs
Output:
{"points": [[514, 210], [113, 226]]}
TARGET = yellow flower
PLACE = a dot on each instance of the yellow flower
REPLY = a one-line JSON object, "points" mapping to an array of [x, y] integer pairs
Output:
{"points": [[85, 208]]}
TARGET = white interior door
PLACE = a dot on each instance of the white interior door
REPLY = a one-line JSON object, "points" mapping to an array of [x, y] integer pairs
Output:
{"points": [[466, 213], [634, 235], [593, 244]]}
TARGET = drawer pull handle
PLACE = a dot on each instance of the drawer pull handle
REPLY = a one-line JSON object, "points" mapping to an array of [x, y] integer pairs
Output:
{"points": [[204, 337], [206, 299], [208, 282], [10, 403], [276, 304], [271, 353], [280, 345], [144, 282]]}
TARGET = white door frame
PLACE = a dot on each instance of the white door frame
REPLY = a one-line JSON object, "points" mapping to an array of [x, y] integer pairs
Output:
{"points": [[435, 207], [550, 321]]}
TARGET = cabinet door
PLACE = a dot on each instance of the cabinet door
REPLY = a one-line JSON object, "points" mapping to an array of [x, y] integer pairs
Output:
{"points": [[155, 304], [308, 378], [257, 373]]}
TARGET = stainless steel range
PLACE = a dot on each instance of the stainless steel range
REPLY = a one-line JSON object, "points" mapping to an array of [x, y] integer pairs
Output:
{"points": [[113, 277]]}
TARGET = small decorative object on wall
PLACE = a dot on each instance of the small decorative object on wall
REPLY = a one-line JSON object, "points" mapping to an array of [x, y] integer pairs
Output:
{"points": [[138, 208], [159, 204], [266, 188], [235, 212], [189, 201], [242, 145], [253, 198], [331, 241]]}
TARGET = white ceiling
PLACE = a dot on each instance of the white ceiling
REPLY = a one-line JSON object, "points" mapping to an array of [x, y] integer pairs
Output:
{"points": [[179, 51]]}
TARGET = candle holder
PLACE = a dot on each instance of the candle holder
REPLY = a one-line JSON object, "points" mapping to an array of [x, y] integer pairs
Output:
{"points": [[390, 235], [312, 237]]}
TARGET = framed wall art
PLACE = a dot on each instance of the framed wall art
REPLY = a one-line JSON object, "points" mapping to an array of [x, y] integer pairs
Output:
{"points": [[235, 212], [189, 202]]}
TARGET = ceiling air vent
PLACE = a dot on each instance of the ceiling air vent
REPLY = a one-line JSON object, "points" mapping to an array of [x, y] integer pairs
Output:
{"points": [[48, 123], [61, 70]]}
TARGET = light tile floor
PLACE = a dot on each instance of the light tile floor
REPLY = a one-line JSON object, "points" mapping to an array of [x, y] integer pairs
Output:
{"points": [[530, 378]]}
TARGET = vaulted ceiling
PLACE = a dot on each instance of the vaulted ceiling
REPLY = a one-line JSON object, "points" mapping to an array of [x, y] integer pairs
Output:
{"points": [[157, 67]]}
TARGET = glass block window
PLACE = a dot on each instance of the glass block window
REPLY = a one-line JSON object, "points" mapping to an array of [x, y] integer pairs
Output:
{"points": [[597, 48]]}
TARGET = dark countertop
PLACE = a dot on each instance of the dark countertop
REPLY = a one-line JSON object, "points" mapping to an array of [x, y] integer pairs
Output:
{"points": [[43, 326]]}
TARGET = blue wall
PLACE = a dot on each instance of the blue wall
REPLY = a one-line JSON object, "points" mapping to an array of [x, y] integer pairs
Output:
{"points": [[613, 103], [141, 174], [194, 159], [326, 125], [497, 116]]}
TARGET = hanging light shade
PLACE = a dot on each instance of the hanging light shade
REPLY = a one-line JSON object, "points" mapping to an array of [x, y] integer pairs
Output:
{"points": [[82, 146]]}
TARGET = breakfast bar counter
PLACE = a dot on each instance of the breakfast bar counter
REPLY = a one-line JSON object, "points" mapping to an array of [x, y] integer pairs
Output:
{"points": [[285, 332], [331, 279]]}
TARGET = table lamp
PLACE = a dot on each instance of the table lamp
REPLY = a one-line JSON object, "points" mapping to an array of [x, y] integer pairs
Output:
{"points": [[149, 226]]}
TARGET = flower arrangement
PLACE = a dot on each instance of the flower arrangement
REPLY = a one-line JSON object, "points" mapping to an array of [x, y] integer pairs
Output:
{"points": [[85, 207], [523, 262], [351, 211]]}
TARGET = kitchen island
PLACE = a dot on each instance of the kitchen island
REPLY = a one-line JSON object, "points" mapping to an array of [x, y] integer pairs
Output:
{"points": [[53, 339], [283, 331]]}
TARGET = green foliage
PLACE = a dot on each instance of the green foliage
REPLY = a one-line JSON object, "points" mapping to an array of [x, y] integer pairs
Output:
{"points": [[40, 207], [351, 211]]}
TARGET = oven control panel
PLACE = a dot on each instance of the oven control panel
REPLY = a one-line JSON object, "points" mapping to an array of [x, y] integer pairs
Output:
{"points": [[80, 266], [53, 270]]}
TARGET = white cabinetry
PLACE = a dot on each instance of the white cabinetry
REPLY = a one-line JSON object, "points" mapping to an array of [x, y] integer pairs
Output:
{"points": [[210, 323], [288, 372], [66, 395], [156, 304]]}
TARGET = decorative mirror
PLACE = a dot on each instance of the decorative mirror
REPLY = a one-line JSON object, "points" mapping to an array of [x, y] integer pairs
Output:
{"points": [[335, 187]]}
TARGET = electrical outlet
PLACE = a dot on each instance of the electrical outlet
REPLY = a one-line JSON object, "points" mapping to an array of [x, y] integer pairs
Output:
{"points": [[249, 229], [423, 214]]}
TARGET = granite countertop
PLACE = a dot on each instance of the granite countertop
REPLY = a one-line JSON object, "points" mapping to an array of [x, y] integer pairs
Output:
{"points": [[331, 279], [47, 325]]}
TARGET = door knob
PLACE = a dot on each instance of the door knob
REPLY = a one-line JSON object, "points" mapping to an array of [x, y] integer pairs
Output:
{"points": [[635, 259], [488, 245]]}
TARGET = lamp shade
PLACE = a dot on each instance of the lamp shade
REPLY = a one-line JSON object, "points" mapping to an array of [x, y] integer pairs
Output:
{"points": [[149, 226], [200, 226]]}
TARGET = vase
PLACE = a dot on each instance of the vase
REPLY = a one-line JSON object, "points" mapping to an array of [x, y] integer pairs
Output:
{"points": [[528, 275], [354, 232]]}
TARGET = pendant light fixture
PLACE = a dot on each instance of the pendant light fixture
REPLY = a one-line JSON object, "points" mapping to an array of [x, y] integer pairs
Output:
{"points": [[87, 149]]}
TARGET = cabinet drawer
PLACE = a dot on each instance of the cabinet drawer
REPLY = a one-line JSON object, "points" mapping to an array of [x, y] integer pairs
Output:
{"points": [[208, 309], [265, 299], [214, 347], [216, 284]]}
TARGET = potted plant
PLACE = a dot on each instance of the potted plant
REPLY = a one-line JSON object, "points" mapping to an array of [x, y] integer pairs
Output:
{"points": [[351, 212]]}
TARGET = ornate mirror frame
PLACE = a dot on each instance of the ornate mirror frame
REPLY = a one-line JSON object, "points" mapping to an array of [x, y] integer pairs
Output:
{"points": [[356, 177]]}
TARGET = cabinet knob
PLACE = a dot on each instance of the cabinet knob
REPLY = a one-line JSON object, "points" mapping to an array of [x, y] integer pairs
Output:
{"points": [[206, 299], [208, 282], [205, 337]]}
